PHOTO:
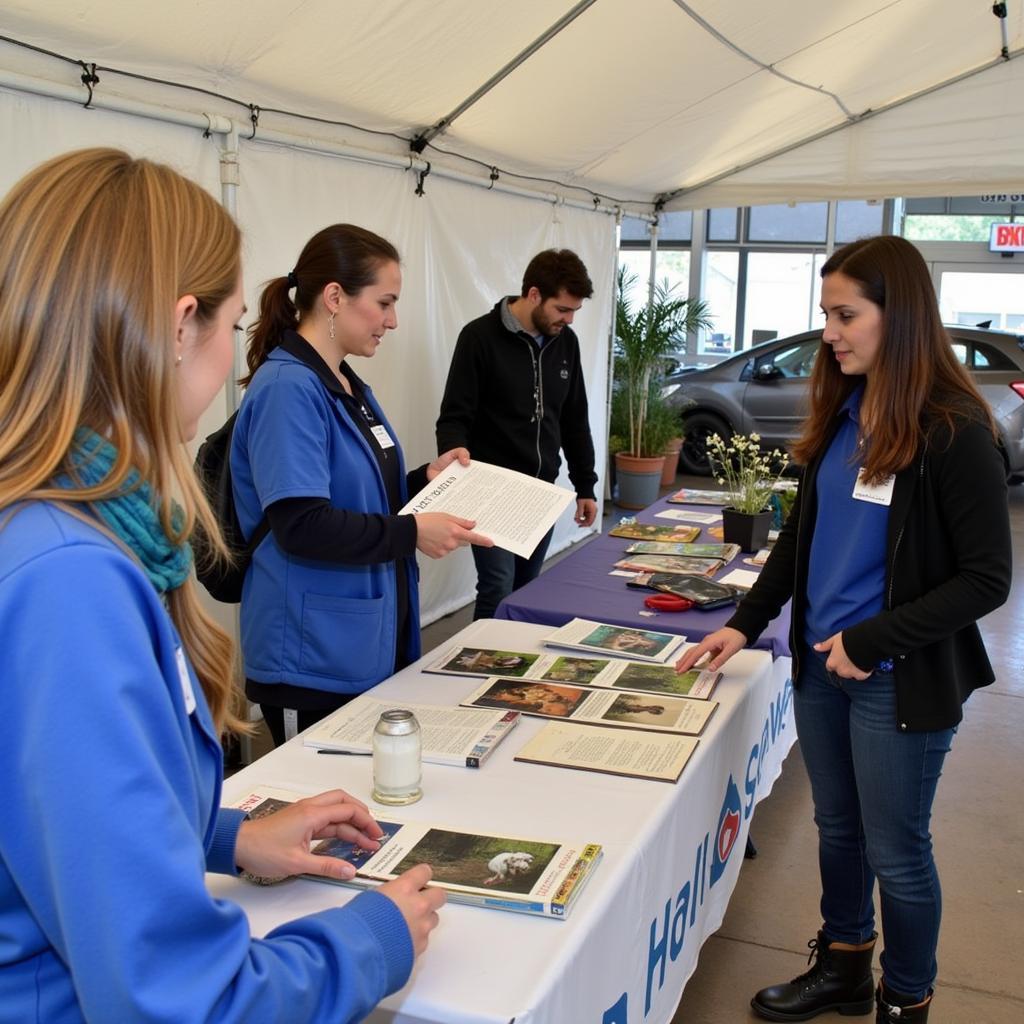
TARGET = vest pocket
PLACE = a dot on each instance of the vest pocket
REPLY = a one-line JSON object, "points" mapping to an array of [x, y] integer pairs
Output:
{"points": [[344, 638]]}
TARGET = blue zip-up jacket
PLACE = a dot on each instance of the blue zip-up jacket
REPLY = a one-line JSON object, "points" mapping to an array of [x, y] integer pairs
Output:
{"points": [[110, 818], [325, 625]]}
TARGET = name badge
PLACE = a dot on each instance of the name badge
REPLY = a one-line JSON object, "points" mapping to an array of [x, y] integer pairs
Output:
{"points": [[380, 432], [877, 494], [186, 681]]}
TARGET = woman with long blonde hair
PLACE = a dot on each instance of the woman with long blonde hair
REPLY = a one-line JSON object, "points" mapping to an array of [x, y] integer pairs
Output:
{"points": [[120, 284]]}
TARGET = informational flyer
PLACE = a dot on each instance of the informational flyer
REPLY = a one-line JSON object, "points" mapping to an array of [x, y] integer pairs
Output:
{"points": [[594, 748], [512, 509]]}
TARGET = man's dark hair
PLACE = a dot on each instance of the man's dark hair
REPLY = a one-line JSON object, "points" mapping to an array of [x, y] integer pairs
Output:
{"points": [[553, 270]]}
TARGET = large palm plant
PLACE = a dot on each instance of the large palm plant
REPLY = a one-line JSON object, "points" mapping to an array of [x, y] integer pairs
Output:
{"points": [[644, 337]]}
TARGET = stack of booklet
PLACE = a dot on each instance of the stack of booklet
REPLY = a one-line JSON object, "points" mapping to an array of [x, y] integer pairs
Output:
{"points": [[529, 876], [455, 736], [651, 531]]}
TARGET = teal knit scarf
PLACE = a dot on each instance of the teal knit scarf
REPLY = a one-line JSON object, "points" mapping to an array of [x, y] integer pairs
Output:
{"points": [[131, 515]]}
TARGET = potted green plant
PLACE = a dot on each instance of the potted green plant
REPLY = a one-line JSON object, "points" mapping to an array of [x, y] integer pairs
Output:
{"points": [[644, 337], [749, 475]]}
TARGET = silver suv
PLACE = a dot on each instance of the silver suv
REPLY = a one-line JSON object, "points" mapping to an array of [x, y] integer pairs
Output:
{"points": [[763, 390]]}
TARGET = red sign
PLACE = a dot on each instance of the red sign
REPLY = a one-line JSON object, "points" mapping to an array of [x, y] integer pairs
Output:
{"points": [[1007, 238]]}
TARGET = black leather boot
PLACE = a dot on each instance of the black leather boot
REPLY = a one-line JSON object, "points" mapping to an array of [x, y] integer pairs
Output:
{"points": [[896, 1008], [839, 980]]}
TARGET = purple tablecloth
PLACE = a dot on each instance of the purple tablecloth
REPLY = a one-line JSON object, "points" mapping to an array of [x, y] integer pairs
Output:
{"points": [[579, 586]]}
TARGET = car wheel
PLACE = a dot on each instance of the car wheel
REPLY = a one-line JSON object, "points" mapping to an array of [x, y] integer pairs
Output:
{"points": [[697, 428]]}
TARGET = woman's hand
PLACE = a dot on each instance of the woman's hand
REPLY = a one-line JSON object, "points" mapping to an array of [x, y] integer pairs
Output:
{"points": [[442, 462], [419, 905], [278, 845], [721, 645], [838, 661], [439, 534]]}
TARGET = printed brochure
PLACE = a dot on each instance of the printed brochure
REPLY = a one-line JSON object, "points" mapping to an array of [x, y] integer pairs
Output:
{"points": [[529, 876], [622, 641]]}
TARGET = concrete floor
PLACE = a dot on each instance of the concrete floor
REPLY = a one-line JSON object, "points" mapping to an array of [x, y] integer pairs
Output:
{"points": [[978, 829]]}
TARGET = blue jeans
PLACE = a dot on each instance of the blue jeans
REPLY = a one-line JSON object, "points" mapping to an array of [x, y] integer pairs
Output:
{"points": [[873, 788], [499, 572]]}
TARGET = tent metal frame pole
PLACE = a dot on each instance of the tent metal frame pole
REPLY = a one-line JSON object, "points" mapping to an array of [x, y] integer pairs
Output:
{"points": [[219, 124], [439, 127], [678, 193]]}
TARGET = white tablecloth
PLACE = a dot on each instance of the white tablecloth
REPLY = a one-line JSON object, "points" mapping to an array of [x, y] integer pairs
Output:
{"points": [[672, 854]]}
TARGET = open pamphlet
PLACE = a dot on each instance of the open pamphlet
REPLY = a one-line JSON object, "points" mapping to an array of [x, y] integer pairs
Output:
{"points": [[512, 509], [619, 708], [723, 552], [670, 563], [450, 735], [594, 748], [622, 641], [643, 676], [652, 531], [530, 876]]}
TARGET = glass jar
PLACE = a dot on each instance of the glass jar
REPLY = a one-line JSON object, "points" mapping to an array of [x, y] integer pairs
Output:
{"points": [[396, 758]]}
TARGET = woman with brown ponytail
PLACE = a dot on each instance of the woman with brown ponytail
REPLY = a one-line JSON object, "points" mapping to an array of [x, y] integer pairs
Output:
{"points": [[330, 603], [119, 286]]}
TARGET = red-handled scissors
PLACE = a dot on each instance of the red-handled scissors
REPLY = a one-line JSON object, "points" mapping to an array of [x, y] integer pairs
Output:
{"points": [[667, 603]]}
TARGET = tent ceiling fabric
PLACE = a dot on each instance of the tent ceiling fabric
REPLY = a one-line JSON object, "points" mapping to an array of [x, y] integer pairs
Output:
{"points": [[633, 99]]}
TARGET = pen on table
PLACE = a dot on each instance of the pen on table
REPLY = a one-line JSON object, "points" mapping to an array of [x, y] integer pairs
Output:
{"points": [[347, 753]]}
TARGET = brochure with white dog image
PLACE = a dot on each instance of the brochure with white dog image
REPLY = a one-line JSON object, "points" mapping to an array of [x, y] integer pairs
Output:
{"points": [[528, 876]]}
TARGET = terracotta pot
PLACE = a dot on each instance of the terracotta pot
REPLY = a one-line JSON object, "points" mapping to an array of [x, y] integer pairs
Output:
{"points": [[672, 449], [637, 480], [749, 530]]}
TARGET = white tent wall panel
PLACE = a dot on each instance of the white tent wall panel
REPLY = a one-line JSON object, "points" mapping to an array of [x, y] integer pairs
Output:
{"points": [[462, 248]]}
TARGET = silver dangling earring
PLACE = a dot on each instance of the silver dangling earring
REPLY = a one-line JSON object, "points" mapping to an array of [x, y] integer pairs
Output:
{"points": [[330, 327]]}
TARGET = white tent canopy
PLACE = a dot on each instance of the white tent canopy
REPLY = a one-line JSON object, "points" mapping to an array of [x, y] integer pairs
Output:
{"points": [[302, 115], [631, 99]]}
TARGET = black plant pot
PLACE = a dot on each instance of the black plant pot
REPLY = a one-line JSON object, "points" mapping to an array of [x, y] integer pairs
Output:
{"points": [[749, 530]]}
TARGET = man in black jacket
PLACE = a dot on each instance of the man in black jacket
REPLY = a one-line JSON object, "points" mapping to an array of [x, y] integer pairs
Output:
{"points": [[515, 396]]}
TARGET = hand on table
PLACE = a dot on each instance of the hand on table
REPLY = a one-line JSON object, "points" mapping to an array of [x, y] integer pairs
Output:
{"points": [[278, 845], [721, 645], [419, 905]]}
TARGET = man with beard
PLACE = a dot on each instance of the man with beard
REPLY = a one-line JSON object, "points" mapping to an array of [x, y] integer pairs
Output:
{"points": [[515, 397]]}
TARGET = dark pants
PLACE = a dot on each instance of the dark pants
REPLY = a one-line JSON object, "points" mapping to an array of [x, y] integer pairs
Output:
{"points": [[499, 572], [873, 788], [274, 717]]}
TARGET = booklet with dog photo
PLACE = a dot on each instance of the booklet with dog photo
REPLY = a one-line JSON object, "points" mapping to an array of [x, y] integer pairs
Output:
{"points": [[450, 735], [623, 641], [619, 708], [594, 748], [643, 676], [529, 876]]}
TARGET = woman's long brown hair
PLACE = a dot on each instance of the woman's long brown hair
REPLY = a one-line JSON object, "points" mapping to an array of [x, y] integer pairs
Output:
{"points": [[916, 380], [95, 250]]}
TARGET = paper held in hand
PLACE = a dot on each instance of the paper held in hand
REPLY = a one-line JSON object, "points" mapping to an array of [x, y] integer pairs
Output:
{"points": [[453, 736], [500, 872], [512, 509]]}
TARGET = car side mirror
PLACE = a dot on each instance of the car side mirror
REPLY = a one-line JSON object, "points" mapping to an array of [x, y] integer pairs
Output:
{"points": [[767, 371]]}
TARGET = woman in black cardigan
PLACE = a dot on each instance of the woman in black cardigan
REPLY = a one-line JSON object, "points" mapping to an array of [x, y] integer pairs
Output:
{"points": [[898, 543]]}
